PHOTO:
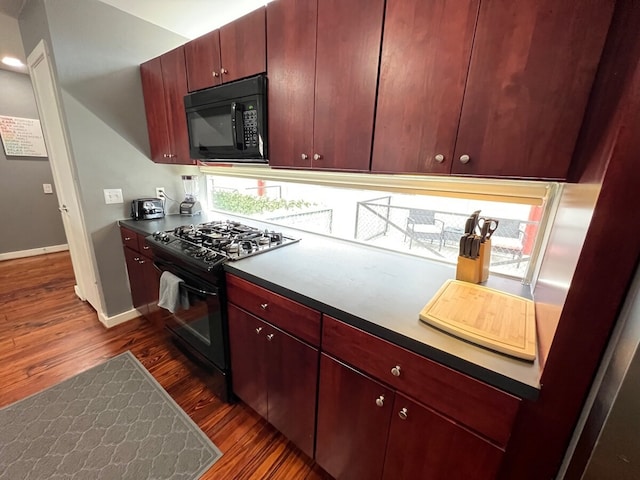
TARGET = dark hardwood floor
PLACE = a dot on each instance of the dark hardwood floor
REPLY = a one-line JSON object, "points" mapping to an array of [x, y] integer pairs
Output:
{"points": [[47, 335]]}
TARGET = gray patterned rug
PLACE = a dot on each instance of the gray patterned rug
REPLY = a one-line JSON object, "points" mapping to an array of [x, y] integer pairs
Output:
{"points": [[113, 421]]}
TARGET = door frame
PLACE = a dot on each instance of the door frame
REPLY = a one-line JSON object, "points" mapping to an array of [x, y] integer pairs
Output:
{"points": [[64, 176]]}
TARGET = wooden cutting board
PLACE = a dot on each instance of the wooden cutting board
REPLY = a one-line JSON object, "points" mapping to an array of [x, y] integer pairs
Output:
{"points": [[497, 320]]}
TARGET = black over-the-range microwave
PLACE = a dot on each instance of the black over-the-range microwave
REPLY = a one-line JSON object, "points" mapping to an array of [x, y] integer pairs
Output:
{"points": [[229, 122]]}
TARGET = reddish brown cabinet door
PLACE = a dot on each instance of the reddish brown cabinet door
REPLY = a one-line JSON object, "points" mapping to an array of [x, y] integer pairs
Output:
{"points": [[155, 110], [202, 57], [292, 386], [275, 374], [423, 69], [243, 46], [174, 76], [423, 444], [164, 85], [236, 50], [137, 279], [247, 345], [322, 62], [532, 67], [291, 55], [354, 412], [347, 58]]}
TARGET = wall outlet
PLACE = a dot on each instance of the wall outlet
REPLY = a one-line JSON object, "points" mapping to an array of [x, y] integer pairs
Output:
{"points": [[47, 188], [160, 192], [113, 195]]}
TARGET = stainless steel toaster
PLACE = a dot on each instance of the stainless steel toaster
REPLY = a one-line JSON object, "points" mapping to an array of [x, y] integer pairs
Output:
{"points": [[147, 208]]}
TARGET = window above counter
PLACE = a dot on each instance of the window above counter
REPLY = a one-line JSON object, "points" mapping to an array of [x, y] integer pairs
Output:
{"points": [[417, 215]]}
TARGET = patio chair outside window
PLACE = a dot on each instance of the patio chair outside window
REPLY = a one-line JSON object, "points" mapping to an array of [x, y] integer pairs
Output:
{"points": [[423, 225]]}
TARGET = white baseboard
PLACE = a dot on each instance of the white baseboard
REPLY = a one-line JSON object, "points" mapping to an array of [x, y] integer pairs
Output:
{"points": [[33, 252], [118, 319]]}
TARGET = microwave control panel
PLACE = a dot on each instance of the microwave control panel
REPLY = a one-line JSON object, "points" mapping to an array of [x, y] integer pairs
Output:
{"points": [[250, 120]]}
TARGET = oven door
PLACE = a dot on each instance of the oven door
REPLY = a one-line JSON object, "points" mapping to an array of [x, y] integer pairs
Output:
{"points": [[199, 322]]}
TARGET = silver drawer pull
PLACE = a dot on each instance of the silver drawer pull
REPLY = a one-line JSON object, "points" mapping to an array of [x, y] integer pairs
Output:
{"points": [[264, 305], [380, 401], [258, 330], [396, 371], [403, 414], [270, 337], [126, 239]]}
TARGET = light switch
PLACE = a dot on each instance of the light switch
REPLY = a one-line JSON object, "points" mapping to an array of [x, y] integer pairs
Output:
{"points": [[113, 195], [47, 188]]}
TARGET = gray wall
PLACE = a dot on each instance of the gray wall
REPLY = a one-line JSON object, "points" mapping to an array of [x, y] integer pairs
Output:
{"points": [[30, 219], [96, 51]]}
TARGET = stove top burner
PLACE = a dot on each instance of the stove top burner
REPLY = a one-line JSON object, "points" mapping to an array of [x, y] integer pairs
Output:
{"points": [[208, 245]]}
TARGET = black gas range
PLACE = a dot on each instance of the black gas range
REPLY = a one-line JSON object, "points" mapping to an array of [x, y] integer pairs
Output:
{"points": [[191, 259], [207, 246]]}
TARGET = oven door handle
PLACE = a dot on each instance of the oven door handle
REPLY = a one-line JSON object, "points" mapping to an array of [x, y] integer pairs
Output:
{"points": [[188, 287], [197, 290]]}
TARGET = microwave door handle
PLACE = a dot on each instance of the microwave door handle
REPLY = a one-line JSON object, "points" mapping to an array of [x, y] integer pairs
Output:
{"points": [[237, 125]]}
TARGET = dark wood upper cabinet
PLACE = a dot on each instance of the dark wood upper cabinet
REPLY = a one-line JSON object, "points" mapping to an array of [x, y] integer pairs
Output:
{"points": [[155, 109], [423, 69], [243, 46], [509, 92], [347, 46], [164, 85], [202, 56], [291, 55], [532, 68], [236, 50]]}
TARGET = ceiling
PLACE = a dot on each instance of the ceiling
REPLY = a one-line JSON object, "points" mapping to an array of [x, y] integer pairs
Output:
{"points": [[188, 18]]}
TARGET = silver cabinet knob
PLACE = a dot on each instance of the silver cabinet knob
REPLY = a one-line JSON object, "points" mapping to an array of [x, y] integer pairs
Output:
{"points": [[215, 74], [464, 159], [304, 156], [403, 414], [145, 247], [270, 337], [141, 262], [126, 239], [224, 70], [136, 259], [396, 371], [380, 401], [439, 158], [317, 156], [264, 306], [258, 330]]}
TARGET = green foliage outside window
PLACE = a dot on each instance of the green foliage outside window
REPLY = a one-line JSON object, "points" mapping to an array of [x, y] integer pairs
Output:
{"points": [[237, 202]]}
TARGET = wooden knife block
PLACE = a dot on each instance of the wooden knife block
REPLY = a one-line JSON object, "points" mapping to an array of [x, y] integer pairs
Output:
{"points": [[475, 270]]}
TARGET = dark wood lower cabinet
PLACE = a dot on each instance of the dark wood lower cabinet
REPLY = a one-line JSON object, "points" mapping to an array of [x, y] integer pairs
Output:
{"points": [[275, 374], [368, 431], [352, 428], [143, 280], [248, 354], [424, 444]]}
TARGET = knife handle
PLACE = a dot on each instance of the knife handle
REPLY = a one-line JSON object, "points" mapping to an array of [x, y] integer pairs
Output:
{"points": [[463, 245]]}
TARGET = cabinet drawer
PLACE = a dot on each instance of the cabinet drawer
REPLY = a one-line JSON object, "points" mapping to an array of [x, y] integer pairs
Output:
{"points": [[479, 406], [291, 316], [130, 239], [143, 247]]}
